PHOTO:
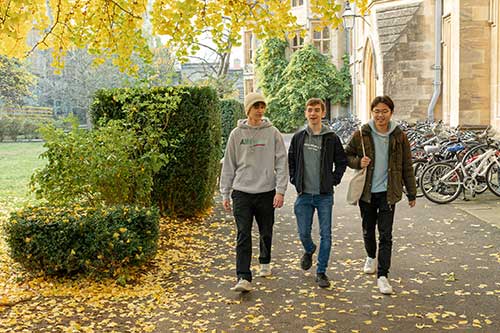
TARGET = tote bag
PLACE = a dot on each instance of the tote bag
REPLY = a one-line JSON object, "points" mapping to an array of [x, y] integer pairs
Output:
{"points": [[357, 183]]}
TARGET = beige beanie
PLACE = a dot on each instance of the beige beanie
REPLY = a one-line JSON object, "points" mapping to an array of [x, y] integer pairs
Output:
{"points": [[251, 99]]}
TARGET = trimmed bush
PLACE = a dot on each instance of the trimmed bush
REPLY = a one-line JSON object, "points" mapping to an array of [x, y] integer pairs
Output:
{"points": [[231, 111], [184, 124], [99, 167], [66, 240]]}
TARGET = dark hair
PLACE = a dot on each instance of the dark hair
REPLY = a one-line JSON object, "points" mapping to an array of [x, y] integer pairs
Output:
{"points": [[315, 101], [383, 99]]}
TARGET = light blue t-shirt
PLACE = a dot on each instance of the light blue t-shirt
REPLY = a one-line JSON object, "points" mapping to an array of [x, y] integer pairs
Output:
{"points": [[381, 165]]}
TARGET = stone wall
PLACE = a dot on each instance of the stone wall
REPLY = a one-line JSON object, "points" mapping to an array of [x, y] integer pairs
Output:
{"points": [[475, 63], [406, 34]]}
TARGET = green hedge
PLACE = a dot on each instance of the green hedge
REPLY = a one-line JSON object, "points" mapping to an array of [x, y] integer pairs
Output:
{"points": [[65, 240], [231, 111], [184, 123], [14, 127]]}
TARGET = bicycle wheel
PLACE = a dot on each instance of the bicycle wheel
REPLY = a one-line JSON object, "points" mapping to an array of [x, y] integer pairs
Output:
{"points": [[474, 152], [418, 167], [469, 157], [493, 178], [440, 183]]}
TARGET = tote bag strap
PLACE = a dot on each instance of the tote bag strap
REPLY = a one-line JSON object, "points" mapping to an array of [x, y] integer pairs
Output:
{"points": [[362, 142]]}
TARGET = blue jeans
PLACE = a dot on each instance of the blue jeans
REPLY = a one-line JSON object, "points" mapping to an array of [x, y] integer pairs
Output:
{"points": [[304, 211]]}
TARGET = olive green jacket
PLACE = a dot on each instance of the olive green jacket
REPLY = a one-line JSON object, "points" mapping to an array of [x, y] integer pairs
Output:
{"points": [[400, 171]]}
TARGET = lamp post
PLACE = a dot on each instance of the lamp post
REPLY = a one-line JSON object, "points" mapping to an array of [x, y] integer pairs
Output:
{"points": [[348, 17]]}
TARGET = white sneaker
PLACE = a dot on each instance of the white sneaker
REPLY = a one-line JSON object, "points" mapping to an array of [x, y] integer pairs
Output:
{"points": [[265, 270], [370, 265], [242, 285], [384, 286]]}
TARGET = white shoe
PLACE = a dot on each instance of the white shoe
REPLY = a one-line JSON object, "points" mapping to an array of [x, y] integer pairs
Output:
{"points": [[265, 270], [370, 265], [242, 285], [384, 286]]}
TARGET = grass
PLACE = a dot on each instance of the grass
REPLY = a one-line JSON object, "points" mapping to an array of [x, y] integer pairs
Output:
{"points": [[17, 162]]}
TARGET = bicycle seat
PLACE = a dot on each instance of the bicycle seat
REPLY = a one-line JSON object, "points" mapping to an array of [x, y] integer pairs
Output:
{"points": [[455, 148], [431, 149]]}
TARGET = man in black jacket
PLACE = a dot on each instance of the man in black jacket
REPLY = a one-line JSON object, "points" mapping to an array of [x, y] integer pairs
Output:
{"points": [[313, 152]]}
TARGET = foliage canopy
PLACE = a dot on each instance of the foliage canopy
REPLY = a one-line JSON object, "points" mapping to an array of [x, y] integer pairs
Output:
{"points": [[115, 27]]}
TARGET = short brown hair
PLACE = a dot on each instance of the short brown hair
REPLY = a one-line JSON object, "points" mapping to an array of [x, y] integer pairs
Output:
{"points": [[315, 101], [383, 99]]}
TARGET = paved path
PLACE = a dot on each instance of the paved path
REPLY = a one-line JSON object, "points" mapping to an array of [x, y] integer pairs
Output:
{"points": [[445, 274]]}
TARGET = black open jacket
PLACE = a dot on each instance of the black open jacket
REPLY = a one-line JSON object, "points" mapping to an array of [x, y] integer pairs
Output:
{"points": [[332, 153]]}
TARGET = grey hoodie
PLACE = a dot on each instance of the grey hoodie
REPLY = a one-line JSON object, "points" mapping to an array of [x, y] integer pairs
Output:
{"points": [[255, 160], [381, 142]]}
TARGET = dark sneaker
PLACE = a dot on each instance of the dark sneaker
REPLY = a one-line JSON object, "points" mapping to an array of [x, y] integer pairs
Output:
{"points": [[322, 280], [306, 261]]}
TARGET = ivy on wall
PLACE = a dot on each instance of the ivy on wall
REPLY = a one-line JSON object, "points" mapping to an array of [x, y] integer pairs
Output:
{"points": [[289, 84]]}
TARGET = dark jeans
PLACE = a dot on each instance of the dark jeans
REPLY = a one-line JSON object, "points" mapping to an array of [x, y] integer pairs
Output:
{"points": [[246, 206], [378, 213]]}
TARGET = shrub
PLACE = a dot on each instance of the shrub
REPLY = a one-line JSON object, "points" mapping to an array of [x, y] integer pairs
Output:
{"points": [[231, 111], [100, 167], [13, 128], [3, 128], [184, 124], [30, 128], [66, 240]]}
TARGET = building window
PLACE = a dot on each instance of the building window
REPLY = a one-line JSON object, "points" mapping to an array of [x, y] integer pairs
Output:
{"points": [[297, 42], [493, 12], [297, 3], [248, 47], [248, 86], [321, 38]]}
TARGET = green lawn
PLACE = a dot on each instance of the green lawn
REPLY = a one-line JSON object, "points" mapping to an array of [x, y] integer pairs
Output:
{"points": [[17, 163]]}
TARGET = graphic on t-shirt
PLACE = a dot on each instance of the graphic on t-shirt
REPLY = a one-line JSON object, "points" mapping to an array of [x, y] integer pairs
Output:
{"points": [[312, 146]]}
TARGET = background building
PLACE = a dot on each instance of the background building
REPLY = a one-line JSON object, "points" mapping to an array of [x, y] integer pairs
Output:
{"points": [[437, 59]]}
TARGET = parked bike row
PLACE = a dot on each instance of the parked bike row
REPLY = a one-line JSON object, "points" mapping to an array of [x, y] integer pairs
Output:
{"points": [[450, 161], [447, 161]]}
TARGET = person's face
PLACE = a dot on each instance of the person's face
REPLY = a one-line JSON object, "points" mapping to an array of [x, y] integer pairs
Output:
{"points": [[381, 114], [314, 114], [257, 111]]}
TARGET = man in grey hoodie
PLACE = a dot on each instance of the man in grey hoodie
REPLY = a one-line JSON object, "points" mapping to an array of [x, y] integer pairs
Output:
{"points": [[313, 153], [255, 176]]}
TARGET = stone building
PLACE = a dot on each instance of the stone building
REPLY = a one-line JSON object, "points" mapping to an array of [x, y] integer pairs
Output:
{"points": [[438, 59]]}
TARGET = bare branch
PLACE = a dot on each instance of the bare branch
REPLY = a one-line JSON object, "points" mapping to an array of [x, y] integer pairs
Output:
{"points": [[125, 10], [4, 18], [48, 33], [208, 47]]}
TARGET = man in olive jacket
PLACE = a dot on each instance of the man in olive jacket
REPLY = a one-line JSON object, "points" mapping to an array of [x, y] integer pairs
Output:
{"points": [[389, 165]]}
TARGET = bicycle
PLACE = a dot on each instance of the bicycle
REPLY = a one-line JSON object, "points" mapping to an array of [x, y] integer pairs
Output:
{"points": [[442, 182]]}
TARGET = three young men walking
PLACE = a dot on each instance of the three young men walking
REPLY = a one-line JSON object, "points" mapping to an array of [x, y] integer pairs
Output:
{"points": [[255, 172]]}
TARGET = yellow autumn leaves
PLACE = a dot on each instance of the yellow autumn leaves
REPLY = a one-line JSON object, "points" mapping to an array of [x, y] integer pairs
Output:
{"points": [[114, 29]]}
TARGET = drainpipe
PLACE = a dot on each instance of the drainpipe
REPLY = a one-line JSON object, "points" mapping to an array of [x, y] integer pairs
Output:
{"points": [[437, 59]]}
